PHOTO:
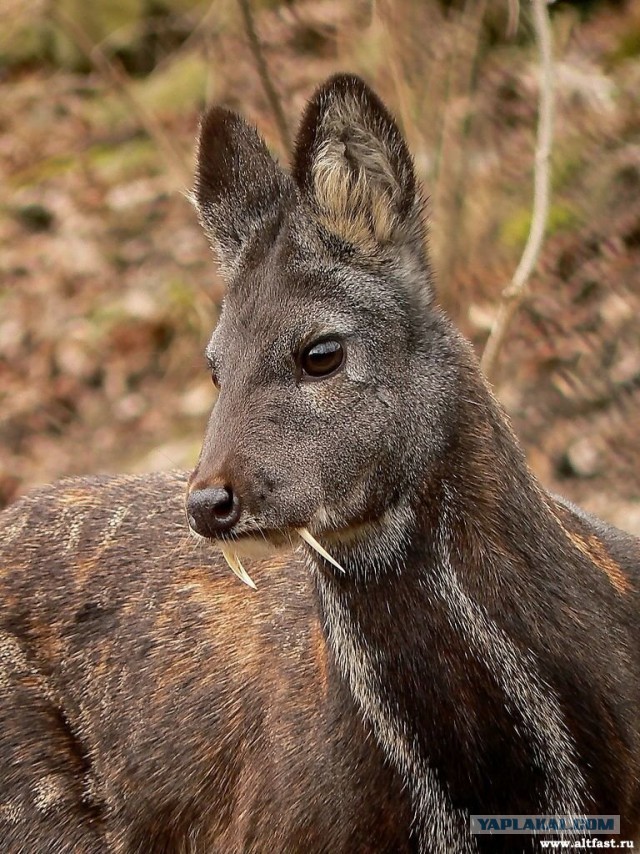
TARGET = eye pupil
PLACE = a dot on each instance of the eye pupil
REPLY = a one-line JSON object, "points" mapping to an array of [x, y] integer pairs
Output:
{"points": [[322, 358]]}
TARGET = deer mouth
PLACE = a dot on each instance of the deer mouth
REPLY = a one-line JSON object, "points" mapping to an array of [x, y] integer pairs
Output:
{"points": [[258, 544], [263, 543]]}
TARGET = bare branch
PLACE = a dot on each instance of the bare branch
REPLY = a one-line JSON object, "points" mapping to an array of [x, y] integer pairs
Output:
{"points": [[515, 293], [513, 19], [265, 77]]}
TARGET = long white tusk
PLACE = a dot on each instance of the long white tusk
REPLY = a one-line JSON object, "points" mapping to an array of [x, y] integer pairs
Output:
{"points": [[308, 537], [236, 567]]}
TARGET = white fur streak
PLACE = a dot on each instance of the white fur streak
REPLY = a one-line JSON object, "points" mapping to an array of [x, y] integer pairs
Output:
{"points": [[48, 792], [15, 667], [440, 828], [374, 548], [12, 532], [113, 525], [518, 675], [73, 530]]}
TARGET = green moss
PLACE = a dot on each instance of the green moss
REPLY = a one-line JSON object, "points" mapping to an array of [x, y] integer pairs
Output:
{"points": [[114, 163], [102, 23], [109, 112], [180, 296], [127, 160], [116, 25], [628, 46], [515, 230], [27, 43], [567, 166], [177, 87], [48, 168], [562, 217], [102, 318]]}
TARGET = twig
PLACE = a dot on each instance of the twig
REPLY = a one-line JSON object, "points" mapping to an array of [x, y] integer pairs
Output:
{"points": [[265, 77], [515, 293], [174, 158], [513, 18]]}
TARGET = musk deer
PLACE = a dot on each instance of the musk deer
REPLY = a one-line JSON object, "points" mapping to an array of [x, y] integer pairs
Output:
{"points": [[462, 642]]}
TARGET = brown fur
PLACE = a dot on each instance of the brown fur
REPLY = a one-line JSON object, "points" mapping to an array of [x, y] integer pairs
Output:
{"points": [[169, 703], [595, 552]]}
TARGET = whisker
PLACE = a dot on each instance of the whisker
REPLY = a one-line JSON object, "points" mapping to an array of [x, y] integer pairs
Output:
{"points": [[286, 535]]}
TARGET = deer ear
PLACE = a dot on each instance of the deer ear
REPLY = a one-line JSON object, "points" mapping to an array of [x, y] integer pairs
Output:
{"points": [[239, 188], [353, 165]]}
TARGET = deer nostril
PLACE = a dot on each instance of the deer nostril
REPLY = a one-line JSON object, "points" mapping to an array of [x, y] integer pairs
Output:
{"points": [[213, 511], [223, 502]]}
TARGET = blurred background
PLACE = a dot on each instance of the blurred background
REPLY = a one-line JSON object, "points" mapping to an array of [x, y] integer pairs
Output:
{"points": [[108, 292]]}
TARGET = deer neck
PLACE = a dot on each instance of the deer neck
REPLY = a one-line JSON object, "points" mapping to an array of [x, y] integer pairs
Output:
{"points": [[416, 643]]}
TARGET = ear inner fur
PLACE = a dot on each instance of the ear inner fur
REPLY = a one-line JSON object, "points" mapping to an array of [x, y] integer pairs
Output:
{"points": [[352, 163]]}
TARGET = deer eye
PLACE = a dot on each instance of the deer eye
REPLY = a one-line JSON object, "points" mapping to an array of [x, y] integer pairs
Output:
{"points": [[213, 370], [322, 359]]}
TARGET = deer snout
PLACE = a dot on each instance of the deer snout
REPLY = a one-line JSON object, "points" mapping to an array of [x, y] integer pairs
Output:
{"points": [[213, 510]]}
